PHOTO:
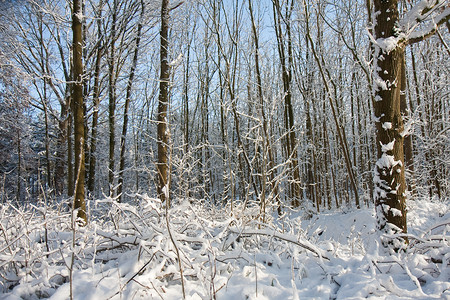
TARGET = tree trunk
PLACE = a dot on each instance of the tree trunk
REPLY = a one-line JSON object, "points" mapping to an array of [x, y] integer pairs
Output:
{"points": [[19, 167], [60, 163], [267, 145], [70, 176], [407, 143], [77, 97], [127, 104], [163, 186], [47, 141], [389, 175], [112, 102], [286, 59], [96, 100]]}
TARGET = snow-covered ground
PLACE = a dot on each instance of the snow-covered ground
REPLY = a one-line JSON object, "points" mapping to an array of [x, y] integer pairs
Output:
{"points": [[129, 252]]}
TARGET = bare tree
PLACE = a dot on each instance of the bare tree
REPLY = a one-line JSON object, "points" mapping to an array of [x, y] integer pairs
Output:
{"points": [[282, 16], [78, 110], [128, 100], [162, 166]]}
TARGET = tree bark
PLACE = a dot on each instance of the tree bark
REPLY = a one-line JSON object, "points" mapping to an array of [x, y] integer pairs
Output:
{"points": [[78, 101], [112, 101], [162, 166], [389, 175]]}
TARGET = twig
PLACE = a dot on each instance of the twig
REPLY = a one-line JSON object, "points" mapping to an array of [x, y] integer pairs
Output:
{"points": [[135, 274], [176, 250]]}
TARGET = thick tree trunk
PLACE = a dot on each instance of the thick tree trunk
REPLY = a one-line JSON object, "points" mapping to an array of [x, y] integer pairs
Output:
{"points": [[77, 97], [389, 176]]}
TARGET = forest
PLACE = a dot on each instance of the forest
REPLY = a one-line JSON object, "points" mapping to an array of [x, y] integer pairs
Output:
{"points": [[224, 149]]}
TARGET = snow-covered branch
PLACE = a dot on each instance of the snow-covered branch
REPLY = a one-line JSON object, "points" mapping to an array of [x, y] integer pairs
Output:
{"points": [[433, 13]]}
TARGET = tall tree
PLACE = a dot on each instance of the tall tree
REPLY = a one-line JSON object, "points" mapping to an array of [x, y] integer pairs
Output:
{"points": [[96, 99], [285, 51], [112, 97], [78, 109], [127, 102], [267, 146], [392, 34], [389, 177], [162, 166]]}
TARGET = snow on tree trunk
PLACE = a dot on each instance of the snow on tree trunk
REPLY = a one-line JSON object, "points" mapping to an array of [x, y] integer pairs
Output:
{"points": [[389, 173], [163, 103]]}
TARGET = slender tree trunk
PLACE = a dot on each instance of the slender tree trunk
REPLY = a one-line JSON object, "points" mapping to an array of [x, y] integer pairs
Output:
{"points": [[96, 100], [19, 167], [407, 143], [60, 163], [327, 157], [286, 59], [127, 104], [63, 121], [47, 141], [267, 145], [389, 175], [186, 99], [112, 101], [162, 166], [70, 176], [78, 105]]}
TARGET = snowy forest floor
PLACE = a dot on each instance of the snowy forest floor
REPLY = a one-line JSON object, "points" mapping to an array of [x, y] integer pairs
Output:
{"points": [[129, 252]]}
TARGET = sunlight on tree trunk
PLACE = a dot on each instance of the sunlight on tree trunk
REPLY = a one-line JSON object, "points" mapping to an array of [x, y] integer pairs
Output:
{"points": [[77, 97]]}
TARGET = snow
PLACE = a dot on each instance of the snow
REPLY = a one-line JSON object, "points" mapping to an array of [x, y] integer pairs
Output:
{"points": [[125, 253], [387, 147], [165, 191], [388, 44], [79, 16], [387, 161], [387, 125], [177, 60], [417, 23], [380, 84]]}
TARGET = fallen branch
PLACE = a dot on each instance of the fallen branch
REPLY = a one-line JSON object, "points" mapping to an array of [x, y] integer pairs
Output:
{"points": [[288, 238]]}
